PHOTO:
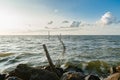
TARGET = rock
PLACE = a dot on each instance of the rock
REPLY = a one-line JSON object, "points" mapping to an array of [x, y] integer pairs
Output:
{"points": [[59, 71], [91, 77], [114, 69], [115, 73], [28, 73], [78, 76], [72, 76], [73, 68], [99, 67], [115, 76], [118, 69], [13, 78], [2, 76]]}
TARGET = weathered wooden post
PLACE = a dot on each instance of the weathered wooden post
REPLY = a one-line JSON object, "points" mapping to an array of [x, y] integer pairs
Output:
{"points": [[64, 47], [49, 59]]}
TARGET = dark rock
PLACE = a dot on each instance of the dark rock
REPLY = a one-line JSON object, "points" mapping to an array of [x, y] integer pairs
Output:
{"points": [[91, 77], [59, 71], [73, 68], [72, 76], [2, 76], [13, 78], [28, 73], [78, 76]]}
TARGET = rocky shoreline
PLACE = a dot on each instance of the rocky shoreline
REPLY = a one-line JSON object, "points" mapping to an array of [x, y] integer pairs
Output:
{"points": [[96, 70], [24, 72]]}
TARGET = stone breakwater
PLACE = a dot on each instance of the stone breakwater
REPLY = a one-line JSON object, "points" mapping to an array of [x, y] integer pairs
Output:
{"points": [[71, 72]]}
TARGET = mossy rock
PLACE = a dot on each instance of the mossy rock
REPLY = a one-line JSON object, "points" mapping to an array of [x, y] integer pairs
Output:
{"points": [[118, 63], [100, 67], [67, 64], [79, 65]]}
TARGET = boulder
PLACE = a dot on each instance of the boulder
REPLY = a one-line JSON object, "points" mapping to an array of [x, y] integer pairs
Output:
{"points": [[2, 76], [118, 69], [72, 76], [13, 78], [115, 73], [59, 71], [28, 73], [115, 76], [91, 77], [78, 76], [73, 68]]}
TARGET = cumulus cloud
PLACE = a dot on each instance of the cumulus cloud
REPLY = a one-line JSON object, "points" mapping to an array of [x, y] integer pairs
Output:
{"points": [[107, 19], [51, 22], [87, 24], [65, 21], [75, 24]]}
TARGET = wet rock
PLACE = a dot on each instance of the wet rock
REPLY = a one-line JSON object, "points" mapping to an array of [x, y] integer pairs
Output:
{"points": [[99, 67], [78, 76], [113, 70], [28, 73], [2, 76], [73, 68], [91, 77], [13, 78], [59, 71], [72, 76], [115, 73], [118, 69], [115, 76]]}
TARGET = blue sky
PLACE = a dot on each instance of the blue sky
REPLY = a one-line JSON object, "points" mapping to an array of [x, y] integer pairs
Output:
{"points": [[60, 16], [88, 9]]}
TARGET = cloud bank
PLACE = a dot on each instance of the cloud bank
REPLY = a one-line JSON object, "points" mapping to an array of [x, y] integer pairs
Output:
{"points": [[106, 19]]}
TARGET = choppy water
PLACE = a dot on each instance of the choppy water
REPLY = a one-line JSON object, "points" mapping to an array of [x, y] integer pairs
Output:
{"points": [[28, 49]]}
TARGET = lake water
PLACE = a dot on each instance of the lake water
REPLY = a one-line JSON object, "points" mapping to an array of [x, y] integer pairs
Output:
{"points": [[28, 49]]}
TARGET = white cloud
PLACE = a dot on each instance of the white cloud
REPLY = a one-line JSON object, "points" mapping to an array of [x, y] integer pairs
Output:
{"points": [[75, 24], [51, 22], [65, 21], [107, 19]]}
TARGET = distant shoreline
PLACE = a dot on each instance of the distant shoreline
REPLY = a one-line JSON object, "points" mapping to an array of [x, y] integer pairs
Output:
{"points": [[62, 35]]}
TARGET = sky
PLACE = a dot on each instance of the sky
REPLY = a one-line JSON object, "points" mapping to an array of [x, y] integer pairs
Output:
{"points": [[67, 17]]}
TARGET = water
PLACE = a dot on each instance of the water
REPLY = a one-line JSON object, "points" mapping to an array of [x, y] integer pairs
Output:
{"points": [[28, 49]]}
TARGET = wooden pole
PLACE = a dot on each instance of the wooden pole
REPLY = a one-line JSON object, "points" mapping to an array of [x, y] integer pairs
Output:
{"points": [[64, 47], [49, 59]]}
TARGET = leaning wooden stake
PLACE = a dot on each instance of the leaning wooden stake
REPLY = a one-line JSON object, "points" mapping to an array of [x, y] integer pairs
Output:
{"points": [[49, 59], [64, 48]]}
